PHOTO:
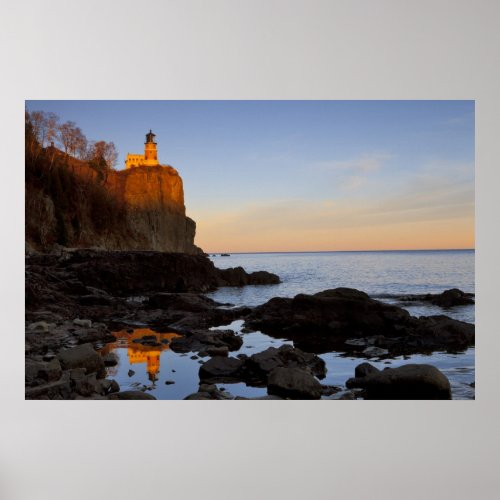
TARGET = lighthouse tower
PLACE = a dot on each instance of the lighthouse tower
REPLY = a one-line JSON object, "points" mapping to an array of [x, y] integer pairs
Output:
{"points": [[150, 153]]}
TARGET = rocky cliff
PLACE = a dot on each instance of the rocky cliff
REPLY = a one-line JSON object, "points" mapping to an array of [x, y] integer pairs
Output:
{"points": [[69, 203], [155, 211]]}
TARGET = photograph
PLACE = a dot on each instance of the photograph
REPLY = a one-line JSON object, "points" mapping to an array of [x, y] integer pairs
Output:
{"points": [[250, 250]]}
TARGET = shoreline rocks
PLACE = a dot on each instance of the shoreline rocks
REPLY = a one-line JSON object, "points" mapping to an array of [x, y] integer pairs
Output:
{"points": [[345, 319], [412, 381]]}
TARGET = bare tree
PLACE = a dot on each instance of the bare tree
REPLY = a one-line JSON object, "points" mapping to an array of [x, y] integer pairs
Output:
{"points": [[66, 136], [102, 150]]}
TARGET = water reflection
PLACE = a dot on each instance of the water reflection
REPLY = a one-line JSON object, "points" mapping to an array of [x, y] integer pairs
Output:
{"points": [[142, 353]]}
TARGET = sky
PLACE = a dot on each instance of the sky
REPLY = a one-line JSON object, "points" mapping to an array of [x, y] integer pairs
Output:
{"points": [[305, 175]]}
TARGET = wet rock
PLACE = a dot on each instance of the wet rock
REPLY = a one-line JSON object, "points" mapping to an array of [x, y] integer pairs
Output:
{"points": [[201, 340], [412, 381], [107, 386], [110, 359], [220, 368], [293, 383], [82, 356], [365, 369], [449, 298], [131, 373], [330, 390], [169, 382], [237, 276], [126, 395], [217, 351], [375, 352], [325, 321], [261, 364]]}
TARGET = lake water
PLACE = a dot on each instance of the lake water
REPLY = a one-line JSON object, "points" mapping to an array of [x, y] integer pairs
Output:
{"points": [[383, 275]]}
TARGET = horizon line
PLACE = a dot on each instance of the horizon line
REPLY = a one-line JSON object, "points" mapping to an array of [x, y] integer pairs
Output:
{"points": [[351, 251]]}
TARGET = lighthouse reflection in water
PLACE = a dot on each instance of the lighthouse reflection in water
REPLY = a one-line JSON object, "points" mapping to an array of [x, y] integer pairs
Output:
{"points": [[144, 347]]}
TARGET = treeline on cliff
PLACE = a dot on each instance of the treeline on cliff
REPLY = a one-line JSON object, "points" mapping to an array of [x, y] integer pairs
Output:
{"points": [[66, 198]]}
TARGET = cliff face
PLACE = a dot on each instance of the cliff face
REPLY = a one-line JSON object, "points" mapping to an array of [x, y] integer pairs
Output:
{"points": [[156, 215], [138, 209]]}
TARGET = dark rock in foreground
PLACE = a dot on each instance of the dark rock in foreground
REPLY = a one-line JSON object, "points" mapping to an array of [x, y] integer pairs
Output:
{"points": [[82, 356], [126, 395], [324, 321], [412, 381], [256, 369], [293, 383]]}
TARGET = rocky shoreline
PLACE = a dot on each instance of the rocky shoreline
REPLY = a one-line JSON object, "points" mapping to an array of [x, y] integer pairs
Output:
{"points": [[76, 298]]}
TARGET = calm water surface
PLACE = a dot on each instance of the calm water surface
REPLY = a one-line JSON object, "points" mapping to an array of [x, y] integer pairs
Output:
{"points": [[383, 275]]}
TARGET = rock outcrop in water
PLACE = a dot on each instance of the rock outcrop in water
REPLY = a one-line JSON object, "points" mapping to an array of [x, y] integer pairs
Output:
{"points": [[347, 319]]}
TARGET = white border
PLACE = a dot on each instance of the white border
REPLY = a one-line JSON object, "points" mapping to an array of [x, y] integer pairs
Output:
{"points": [[259, 49]]}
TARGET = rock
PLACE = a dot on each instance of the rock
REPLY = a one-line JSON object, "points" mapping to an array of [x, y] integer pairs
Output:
{"points": [[82, 356], [412, 381], [237, 276], [61, 389], [85, 323], [201, 340], [126, 395], [453, 297], [198, 396], [38, 371], [40, 326], [375, 352], [449, 298], [293, 383], [365, 369], [131, 373], [94, 300], [86, 385], [107, 386], [110, 359], [217, 351], [189, 302], [330, 390], [34, 371], [262, 363], [169, 382], [332, 319], [54, 370], [220, 368], [356, 342]]}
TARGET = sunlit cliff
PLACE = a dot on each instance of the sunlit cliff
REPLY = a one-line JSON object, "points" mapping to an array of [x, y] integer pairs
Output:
{"points": [[70, 203]]}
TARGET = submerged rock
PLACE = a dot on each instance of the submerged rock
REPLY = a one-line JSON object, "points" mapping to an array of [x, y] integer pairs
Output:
{"points": [[412, 381]]}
